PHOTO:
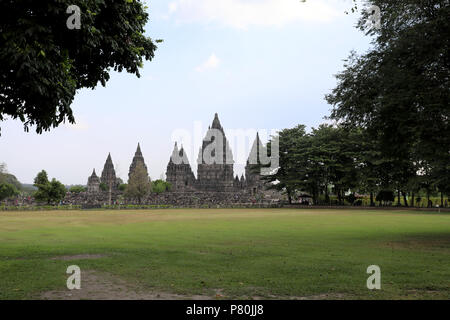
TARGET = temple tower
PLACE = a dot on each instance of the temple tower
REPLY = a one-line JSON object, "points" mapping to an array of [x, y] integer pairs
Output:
{"points": [[138, 157], [253, 167], [109, 174], [179, 172], [215, 161], [93, 185]]}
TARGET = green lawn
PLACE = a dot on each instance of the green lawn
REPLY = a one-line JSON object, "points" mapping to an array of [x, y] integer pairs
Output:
{"points": [[274, 253]]}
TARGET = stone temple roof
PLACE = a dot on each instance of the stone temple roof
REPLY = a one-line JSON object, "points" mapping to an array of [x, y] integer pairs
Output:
{"points": [[93, 174], [216, 123], [138, 157], [256, 151], [214, 132], [179, 155]]}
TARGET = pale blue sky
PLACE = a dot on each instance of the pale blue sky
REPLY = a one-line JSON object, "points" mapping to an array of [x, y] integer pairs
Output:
{"points": [[260, 64]]}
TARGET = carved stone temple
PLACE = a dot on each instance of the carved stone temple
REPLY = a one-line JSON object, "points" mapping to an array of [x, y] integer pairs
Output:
{"points": [[214, 167], [138, 158]]}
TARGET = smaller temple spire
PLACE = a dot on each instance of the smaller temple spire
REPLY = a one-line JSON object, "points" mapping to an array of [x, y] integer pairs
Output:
{"points": [[93, 185], [175, 154]]}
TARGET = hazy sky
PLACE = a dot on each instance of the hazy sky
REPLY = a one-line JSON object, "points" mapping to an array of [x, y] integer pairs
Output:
{"points": [[260, 64]]}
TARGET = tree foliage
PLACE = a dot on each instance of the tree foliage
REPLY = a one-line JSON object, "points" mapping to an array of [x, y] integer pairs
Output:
{"points": [[138, 184], [48, 191], [8, 178], [313, 162], [399, 92], [7, 191], [160, 186], [43, 63], [77, 189]]}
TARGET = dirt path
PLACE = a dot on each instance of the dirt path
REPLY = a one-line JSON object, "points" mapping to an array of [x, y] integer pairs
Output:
{"points": [[99, 286]]}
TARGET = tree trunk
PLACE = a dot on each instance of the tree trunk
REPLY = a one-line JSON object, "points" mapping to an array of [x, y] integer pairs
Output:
{"points": [[398, 198], [327, 197], [412, 200], [404, 199], [372, 204], [442, 200]]}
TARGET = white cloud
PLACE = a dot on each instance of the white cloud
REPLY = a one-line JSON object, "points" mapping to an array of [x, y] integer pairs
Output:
{"points": [[211, 63], [242, 14], [173, 7]]}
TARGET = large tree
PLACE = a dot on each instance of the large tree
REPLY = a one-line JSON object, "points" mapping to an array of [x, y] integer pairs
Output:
{"points": [[400, 90], [7, 190], [138, 184], [289, 177], [48, 191], [43, 63], [8, 178]]}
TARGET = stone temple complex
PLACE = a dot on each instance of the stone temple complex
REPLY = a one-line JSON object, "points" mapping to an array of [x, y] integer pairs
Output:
{"points": [[214, 168]]}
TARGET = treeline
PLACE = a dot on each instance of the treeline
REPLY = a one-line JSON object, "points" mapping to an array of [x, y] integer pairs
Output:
{"points": [[52, 191], [338, 162], [9, 185], [392, 110]]}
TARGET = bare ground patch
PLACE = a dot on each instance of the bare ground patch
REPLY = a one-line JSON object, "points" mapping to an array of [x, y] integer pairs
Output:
{"points": [[324, 296], [102, 286], [99, 286], [79, 257], [440, 243]]}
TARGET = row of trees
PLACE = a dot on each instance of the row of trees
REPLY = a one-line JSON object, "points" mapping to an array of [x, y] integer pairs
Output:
{"points": [[336, 160], [138, 187], [391, 107], [53, 191]]}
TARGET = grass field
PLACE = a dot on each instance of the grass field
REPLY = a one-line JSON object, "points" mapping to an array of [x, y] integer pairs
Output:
{"points": [[235, 253]]}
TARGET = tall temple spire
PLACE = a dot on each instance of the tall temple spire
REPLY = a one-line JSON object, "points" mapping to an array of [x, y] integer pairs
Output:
{"points": [[215, 160], [109, 174], [138, 150], [138, 157], [216, 123], [256, 151]]}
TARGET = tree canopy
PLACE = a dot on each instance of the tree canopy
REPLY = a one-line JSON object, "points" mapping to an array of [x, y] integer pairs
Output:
{"points": [[399, 92], [160, 186], [43, 63], [138, 184], [7, 190], [48, 191]]}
